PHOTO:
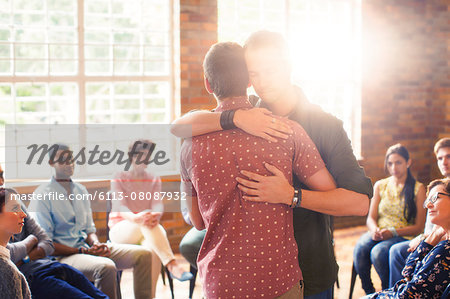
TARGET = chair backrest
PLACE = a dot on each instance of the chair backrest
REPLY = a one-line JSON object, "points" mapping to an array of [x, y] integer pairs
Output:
{"points": [[108, 210]]}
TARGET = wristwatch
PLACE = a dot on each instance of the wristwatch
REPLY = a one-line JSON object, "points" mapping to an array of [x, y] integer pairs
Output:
{"points": [[26, 260]]}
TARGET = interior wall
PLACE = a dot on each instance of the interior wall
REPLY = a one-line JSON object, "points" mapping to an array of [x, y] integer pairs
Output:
{"points": [[406, 83]]}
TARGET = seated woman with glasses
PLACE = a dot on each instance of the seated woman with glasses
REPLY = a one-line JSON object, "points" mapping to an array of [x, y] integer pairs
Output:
{"points": [[426, 274], [395, 215]]}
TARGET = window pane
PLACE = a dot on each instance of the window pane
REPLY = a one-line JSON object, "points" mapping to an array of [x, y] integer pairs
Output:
{"points": [[117, 34], [43, 103], [126, 102], [30, 67], [39, 38], [325, 37], [36, 31]]}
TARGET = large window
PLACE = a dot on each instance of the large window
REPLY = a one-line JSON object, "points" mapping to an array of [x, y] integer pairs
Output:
{"points": [[86, 62], [324, 39]]}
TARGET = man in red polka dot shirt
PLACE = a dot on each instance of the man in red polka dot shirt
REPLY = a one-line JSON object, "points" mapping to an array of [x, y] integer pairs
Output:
{"points": [[249, 250]]}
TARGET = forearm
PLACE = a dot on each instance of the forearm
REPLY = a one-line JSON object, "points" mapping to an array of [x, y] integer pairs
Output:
{"points": [[19, 250], [64, 250], [196, 123], [91, 239], [372, 225], [37, 253], [336, 202], [411, 230], [128, 216]]}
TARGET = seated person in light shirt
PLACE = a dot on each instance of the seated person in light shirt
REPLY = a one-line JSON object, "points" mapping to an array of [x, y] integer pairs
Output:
{"points": [[135, 221], [70, 225]]}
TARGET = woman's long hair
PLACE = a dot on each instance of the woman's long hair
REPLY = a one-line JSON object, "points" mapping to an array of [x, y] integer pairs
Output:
{"points": [[410, 210]]}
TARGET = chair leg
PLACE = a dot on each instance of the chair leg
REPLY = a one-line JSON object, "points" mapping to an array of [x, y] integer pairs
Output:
{"points": [[119, 279], [170, 282], [352, 281], [192, 282], [163, 276]]}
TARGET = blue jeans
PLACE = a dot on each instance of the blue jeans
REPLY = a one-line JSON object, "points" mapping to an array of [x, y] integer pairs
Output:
{"points": [[369, 252], [328, 294], [62, 281], [397, 259]]}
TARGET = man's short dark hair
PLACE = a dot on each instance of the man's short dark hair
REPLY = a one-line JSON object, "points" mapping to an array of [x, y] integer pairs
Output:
{"points": [[140, 146], [225, 69], [52, 150], [444, 142], [265, 38]]}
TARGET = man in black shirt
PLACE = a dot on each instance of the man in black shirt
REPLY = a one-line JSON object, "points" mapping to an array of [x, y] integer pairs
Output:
{"points": [[269, 70]]}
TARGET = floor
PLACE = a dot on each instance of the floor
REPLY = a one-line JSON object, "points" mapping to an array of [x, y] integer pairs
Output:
{"points": [[345, 240]]}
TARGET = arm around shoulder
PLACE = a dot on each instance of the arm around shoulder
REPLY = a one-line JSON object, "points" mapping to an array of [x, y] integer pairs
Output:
{"points": [[337, 152], [196, 123]]}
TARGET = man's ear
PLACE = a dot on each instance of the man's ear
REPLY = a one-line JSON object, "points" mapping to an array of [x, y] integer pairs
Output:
{"points": [[52, 164], [207, 85]]}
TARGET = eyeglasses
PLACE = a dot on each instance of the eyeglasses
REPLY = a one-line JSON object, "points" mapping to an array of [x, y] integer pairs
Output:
{"points": [[432, 199]]}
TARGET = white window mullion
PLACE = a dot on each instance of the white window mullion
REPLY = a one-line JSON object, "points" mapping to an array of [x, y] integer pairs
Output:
{"points": [[81, 65]]}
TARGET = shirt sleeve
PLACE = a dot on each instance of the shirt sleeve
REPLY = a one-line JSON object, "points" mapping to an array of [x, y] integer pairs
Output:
{"points": [[415, 257], [17, 251], [185, 169], [307, 160], [90, 225], [337, 153], [40, 210], [186, 183], [44, 241], [431, 275]]}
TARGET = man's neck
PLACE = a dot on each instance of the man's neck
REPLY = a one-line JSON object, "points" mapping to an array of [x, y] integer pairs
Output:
{"points": [[65, 183], [286, 102], [224, 100]]}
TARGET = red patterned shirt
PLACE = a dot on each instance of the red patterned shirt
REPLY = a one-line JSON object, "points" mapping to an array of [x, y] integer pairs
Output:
{"points": [[249, 250]]}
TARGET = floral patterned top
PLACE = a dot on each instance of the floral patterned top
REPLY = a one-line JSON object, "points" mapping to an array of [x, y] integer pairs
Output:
{"points": [[392, 204], [426, 274]]}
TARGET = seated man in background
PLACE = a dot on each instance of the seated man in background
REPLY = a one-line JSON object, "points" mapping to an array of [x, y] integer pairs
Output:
{"points": [[399, 252], [70, 225], [47, 278]]}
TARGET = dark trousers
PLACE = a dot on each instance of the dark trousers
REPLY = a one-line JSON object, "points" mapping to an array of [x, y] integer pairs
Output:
{"points": [[58, 281]]}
